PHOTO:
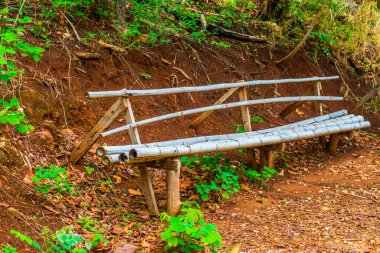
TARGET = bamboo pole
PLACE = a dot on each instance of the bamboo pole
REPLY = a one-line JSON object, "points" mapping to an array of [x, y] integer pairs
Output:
{"points": [[220, 107], [109, 159], [219, 146], [109, 150], [153, 92], [124, 156]]}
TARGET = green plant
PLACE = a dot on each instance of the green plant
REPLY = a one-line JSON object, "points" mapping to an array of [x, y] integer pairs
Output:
{"points": [[89, 170], [11, 113], [188, 232], [97, 233], [258, 177], [65, 239], [8, 249], [221, 177], [145, 75], [11, 33], [51, 179], [26, 239]]}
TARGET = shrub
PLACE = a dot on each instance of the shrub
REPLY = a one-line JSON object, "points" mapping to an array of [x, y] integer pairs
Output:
{"points": [[220, 177], [11, 113], [189, 232], [51, 179]]}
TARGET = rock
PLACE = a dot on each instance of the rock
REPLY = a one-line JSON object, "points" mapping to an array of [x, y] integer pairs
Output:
{"points": [[126, 248], [9, 156]]}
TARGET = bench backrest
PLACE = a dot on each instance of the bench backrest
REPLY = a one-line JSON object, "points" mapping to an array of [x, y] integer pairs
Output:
{"points": [[124, 104]]}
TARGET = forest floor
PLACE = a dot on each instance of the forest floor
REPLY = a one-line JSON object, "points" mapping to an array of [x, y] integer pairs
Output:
{"points": [[321, 206]]}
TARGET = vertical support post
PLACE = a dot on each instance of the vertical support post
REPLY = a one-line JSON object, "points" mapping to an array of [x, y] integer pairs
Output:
{"points": [[173, 167], [243, 96], [135, 139], [94, 134], [318, 107], [333, 143], [267, 154]]}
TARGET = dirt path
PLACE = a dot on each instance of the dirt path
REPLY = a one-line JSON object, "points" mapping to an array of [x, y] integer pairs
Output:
{"points": [[332, 207]]}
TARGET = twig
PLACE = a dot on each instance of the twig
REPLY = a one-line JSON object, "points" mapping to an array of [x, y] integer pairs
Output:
{"points": [[112, 47], [72, 27], [302, 42]]}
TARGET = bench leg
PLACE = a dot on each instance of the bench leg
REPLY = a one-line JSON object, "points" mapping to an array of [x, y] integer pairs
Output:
{"points": [[266, 159], [173, 167], [333, 143], [251, 158], [148, 191]]}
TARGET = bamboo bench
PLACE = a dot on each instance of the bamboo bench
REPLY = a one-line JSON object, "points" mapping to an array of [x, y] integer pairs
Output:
{"points": [[165, 154]]}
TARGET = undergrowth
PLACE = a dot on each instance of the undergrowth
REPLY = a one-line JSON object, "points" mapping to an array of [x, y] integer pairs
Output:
{"points": [[64, 240], [188, 232], [217, 177], [346, 31]]}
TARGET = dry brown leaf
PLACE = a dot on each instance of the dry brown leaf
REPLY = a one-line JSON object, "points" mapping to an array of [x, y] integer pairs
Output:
{"points": [[245, 187], [103, 188], [145, 244], [134, 192], [117, 230], [51, 209], [4, 204], [235, 249], [299, 112], [117, 179]]}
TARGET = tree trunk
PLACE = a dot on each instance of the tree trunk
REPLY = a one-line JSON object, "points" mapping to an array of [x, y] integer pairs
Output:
{"points": [[115, 6], [274, 9]]}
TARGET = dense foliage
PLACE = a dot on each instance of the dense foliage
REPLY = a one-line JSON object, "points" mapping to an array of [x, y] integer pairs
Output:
{"points": [[188, 232]]}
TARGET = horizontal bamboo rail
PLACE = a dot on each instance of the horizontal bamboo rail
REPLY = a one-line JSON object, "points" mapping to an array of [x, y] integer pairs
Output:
{"points": [[178, 90], [219, 107], [106, 150], [224, 145]]}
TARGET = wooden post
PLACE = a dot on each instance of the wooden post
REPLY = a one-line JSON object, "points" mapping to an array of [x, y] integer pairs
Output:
{"points": [[135, 139], [94, 134], [333, 143], [247, 126], [318, 108], [267, 154], [205, 115], [173, 167]]}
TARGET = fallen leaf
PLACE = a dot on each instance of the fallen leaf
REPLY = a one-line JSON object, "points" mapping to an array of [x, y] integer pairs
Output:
{"points": [[118, 179], [325, 208], [28, 178], [299, 112], [145, 244], [134, 192], [103, 188], [3, 204], [117, 230], [51, 209], [245, 187], [235, 249]]}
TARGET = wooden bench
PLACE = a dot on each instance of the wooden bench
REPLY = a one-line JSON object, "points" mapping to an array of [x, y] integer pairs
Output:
{"points": [[165, 154]]}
